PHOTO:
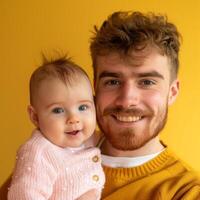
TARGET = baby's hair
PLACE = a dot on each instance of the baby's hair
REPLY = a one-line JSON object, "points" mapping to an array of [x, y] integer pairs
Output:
{"points": [[62, 68]]}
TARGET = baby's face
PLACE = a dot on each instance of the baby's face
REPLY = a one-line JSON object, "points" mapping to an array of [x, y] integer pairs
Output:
{"points": [[66, 114]]}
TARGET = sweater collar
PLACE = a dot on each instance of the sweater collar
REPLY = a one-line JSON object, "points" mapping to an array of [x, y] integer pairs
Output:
{"points": [[162, 160], [154, 164]]}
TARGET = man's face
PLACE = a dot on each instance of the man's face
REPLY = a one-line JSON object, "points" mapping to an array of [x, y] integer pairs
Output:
{"points": [[132, 97]]}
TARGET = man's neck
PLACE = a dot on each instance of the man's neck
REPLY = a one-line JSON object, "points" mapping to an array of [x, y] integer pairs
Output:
{"points": [[151, 147]]}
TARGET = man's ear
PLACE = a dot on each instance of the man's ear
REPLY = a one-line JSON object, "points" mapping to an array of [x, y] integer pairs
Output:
{"points": [[173, 91], [33, 115]]}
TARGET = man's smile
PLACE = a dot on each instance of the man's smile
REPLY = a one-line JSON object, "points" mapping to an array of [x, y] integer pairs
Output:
{"points": [[127, 118]]}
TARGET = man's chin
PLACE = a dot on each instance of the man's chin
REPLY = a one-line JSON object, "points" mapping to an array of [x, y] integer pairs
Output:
{"points": [[126, 143], [125, 147], [128, 140]]}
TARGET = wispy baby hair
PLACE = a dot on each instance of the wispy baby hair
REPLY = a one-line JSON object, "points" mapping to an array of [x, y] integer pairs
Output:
{"points": [[62, 68]]}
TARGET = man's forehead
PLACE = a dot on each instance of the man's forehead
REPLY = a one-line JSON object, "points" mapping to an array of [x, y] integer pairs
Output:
{"points": [[151, 64], [131, 58]]}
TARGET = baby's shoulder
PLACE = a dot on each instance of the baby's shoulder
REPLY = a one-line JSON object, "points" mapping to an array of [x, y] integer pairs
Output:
{"points": [[35, 147]]}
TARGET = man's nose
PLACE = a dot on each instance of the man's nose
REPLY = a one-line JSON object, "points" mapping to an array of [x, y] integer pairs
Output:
{"points": [[129, 95], [72, 119]]}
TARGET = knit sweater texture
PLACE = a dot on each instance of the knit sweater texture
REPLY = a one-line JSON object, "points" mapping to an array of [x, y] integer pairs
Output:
{"points": [[45, 171], [163, 178]]}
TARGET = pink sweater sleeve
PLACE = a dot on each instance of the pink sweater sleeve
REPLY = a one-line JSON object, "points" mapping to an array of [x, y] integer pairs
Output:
{"points": [[33, 177]]}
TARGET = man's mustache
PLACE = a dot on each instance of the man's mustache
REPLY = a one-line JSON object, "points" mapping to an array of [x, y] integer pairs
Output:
{"points": [[130, 111]]}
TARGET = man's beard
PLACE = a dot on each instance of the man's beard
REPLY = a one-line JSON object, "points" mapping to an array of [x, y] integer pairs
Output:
{"points": [[127, 139]]}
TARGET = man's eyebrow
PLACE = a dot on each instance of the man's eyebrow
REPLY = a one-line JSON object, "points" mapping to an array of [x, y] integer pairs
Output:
{"points": [[151, 74], [140, 74], [109, 74]]}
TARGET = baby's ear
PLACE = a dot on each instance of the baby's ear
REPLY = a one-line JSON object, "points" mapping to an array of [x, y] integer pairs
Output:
{"points": [[33, 115]]}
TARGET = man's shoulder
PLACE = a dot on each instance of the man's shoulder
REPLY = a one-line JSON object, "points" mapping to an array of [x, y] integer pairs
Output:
{"points": [[179, 166], [95, 139]]}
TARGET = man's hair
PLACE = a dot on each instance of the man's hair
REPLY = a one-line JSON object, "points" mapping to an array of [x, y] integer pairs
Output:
{"points": [[124, 32], [61, 68]]}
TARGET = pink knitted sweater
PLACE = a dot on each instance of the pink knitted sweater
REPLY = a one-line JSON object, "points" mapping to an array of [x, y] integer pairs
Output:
{"points": [[46, 171]]}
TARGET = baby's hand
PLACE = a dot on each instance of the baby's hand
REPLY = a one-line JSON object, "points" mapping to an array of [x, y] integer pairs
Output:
{"points": [[90, 195]]}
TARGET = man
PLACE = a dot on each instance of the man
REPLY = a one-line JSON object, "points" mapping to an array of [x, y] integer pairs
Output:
{"points": [[135, 61]]}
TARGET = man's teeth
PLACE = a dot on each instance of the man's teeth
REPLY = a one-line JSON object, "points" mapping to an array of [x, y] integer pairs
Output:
{"points": [[128, 118]]}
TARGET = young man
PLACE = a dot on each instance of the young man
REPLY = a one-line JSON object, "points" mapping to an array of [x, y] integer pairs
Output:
{"points": [[135, 61]]}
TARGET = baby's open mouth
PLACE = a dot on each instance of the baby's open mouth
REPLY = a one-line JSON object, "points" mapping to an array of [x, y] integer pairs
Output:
{"points": [[75, 132]]}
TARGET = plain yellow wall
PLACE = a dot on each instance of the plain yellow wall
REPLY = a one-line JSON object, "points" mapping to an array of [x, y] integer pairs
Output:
{"points": [[29, 27]]}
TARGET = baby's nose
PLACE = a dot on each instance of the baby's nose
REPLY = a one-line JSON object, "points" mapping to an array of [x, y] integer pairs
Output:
{"points": [[73, 119]]}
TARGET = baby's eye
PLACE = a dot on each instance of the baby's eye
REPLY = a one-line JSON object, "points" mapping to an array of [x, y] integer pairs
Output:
{"points": [[58, 110], [83, 107]]}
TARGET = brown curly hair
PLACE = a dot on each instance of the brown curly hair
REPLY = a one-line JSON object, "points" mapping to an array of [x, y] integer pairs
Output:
{"points": [[124, 32]]}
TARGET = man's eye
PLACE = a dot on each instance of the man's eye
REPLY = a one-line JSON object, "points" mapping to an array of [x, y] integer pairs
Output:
{"points": [[83, 107], [58, 110], [147, 82], [112, 82]]}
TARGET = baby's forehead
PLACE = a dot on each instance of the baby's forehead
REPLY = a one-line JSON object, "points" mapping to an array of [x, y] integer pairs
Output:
{"points": [[79, 80], [67, 79], [56, 90]]}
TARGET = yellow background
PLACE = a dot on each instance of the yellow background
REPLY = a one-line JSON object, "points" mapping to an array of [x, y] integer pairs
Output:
{"points": [[28, 27]]}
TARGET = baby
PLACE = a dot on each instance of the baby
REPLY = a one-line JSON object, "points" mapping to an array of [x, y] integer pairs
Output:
{"points": [[57, 163]]}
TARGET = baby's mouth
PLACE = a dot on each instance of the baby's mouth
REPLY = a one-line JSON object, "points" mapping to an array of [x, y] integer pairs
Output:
{"points": [[74, 132]]}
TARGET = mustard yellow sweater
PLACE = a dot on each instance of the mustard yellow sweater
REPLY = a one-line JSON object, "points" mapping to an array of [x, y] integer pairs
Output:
{"points": [[164, 177]]}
